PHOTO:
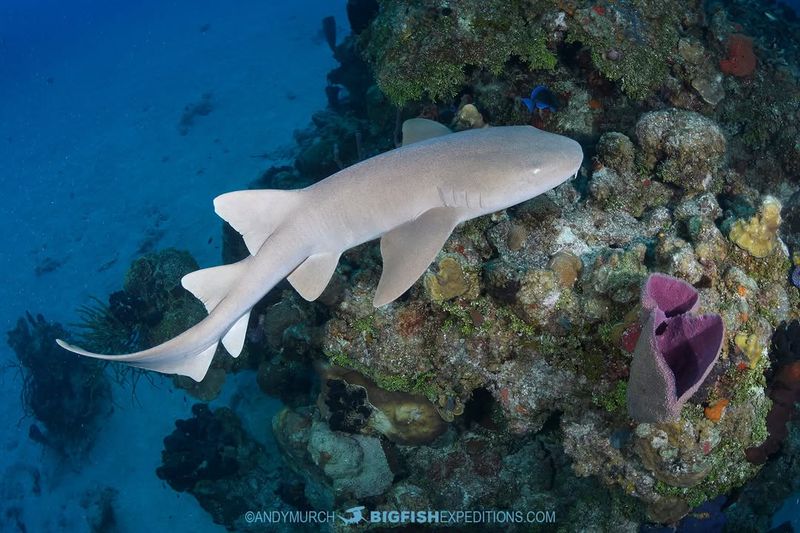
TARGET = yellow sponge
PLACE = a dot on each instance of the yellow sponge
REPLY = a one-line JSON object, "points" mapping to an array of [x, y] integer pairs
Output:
{"points": [[758, 235], [750, 347]]}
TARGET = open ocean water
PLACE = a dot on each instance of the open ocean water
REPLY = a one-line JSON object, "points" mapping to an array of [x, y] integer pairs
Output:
{"points": [[95, 167]]}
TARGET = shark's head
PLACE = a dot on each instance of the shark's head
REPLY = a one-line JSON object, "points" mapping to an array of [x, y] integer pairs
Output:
{"points": [[546, 160], [525, 162]]}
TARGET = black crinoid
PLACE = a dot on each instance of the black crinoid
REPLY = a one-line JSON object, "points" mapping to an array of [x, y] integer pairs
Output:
{"points": [[108, 328], [69, 394], [348, 406], [786, 343]]}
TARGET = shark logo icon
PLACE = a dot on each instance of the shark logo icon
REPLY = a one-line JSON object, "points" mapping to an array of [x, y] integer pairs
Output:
{"points": [[355, 516]]}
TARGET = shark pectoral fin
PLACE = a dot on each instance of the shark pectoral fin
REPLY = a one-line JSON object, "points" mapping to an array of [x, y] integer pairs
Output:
{"points": [[210, 285], [256, 214], [314, 274], [409, 249], [233, 341], [422, 129]]}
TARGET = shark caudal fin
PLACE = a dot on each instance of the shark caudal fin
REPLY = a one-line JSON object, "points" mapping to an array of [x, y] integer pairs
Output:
{"points": [[193, 365], [186, 354], [256, 214]]}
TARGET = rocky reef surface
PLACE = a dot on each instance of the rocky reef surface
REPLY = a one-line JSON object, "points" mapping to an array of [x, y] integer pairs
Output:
{"points": [[505, 377]]}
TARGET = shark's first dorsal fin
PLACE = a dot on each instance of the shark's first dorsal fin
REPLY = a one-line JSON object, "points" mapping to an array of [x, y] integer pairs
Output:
{"points": [[257, 213], [210, 285], [421, 129], [409, 249], [313, 275]]}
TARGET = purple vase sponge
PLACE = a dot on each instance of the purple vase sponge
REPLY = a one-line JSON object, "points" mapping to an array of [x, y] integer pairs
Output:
{"points": [[675, 352]]}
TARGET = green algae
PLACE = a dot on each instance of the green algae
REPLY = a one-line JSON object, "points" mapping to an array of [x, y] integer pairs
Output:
{"points": [[419, 50], [630, 43], [422, 383]]}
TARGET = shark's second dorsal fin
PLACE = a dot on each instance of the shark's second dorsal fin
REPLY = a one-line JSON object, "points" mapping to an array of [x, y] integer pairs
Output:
{"points": [[313, 275], [409, 249], [210, 285], [257, 213], [422, 129]]}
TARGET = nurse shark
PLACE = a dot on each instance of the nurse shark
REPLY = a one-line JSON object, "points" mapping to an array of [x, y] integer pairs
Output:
{"points": [[411, 198]]}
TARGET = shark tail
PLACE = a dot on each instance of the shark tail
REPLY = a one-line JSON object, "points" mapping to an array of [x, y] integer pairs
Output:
{"points": [[194, 364], [184, 355], [256, 214]]}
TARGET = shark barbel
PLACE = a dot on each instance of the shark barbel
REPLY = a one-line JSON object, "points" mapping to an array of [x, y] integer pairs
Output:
{"points": [[412, 198]]}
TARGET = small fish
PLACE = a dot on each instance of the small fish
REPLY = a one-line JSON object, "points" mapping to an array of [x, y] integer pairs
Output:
{"points": [[541, 98], [796, 277]]}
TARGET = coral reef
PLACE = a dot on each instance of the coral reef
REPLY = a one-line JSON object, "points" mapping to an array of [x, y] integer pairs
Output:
{"points": [[417, 50], [211, 457], [741, 60], [628, 42], [784, 383], [777, 480], [70, 395], [354, 403], [336, 467], [683, 147], [556, 302]]}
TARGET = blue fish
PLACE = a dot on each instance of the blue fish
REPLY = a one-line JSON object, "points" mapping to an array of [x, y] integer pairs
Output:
{"points": [[796, 277], [541, 98]]}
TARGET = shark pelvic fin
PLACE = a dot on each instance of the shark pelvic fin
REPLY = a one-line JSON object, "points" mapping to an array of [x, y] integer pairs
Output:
{"points": [[233, 341], [422, 129], [210, 285], [409, 249], [314, 274], [256, 214]]}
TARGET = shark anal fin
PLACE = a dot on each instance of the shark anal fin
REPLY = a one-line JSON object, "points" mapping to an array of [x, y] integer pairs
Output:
{"points": [[313, 275], [233, 341], [256, 213], [422, 129], [210, 285], [409, 249]]}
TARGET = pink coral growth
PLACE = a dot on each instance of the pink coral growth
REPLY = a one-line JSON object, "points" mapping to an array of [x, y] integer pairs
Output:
{"points": [[741, 60]]}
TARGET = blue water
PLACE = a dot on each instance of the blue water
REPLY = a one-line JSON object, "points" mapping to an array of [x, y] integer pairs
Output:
{"points": [[93, 161]]}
